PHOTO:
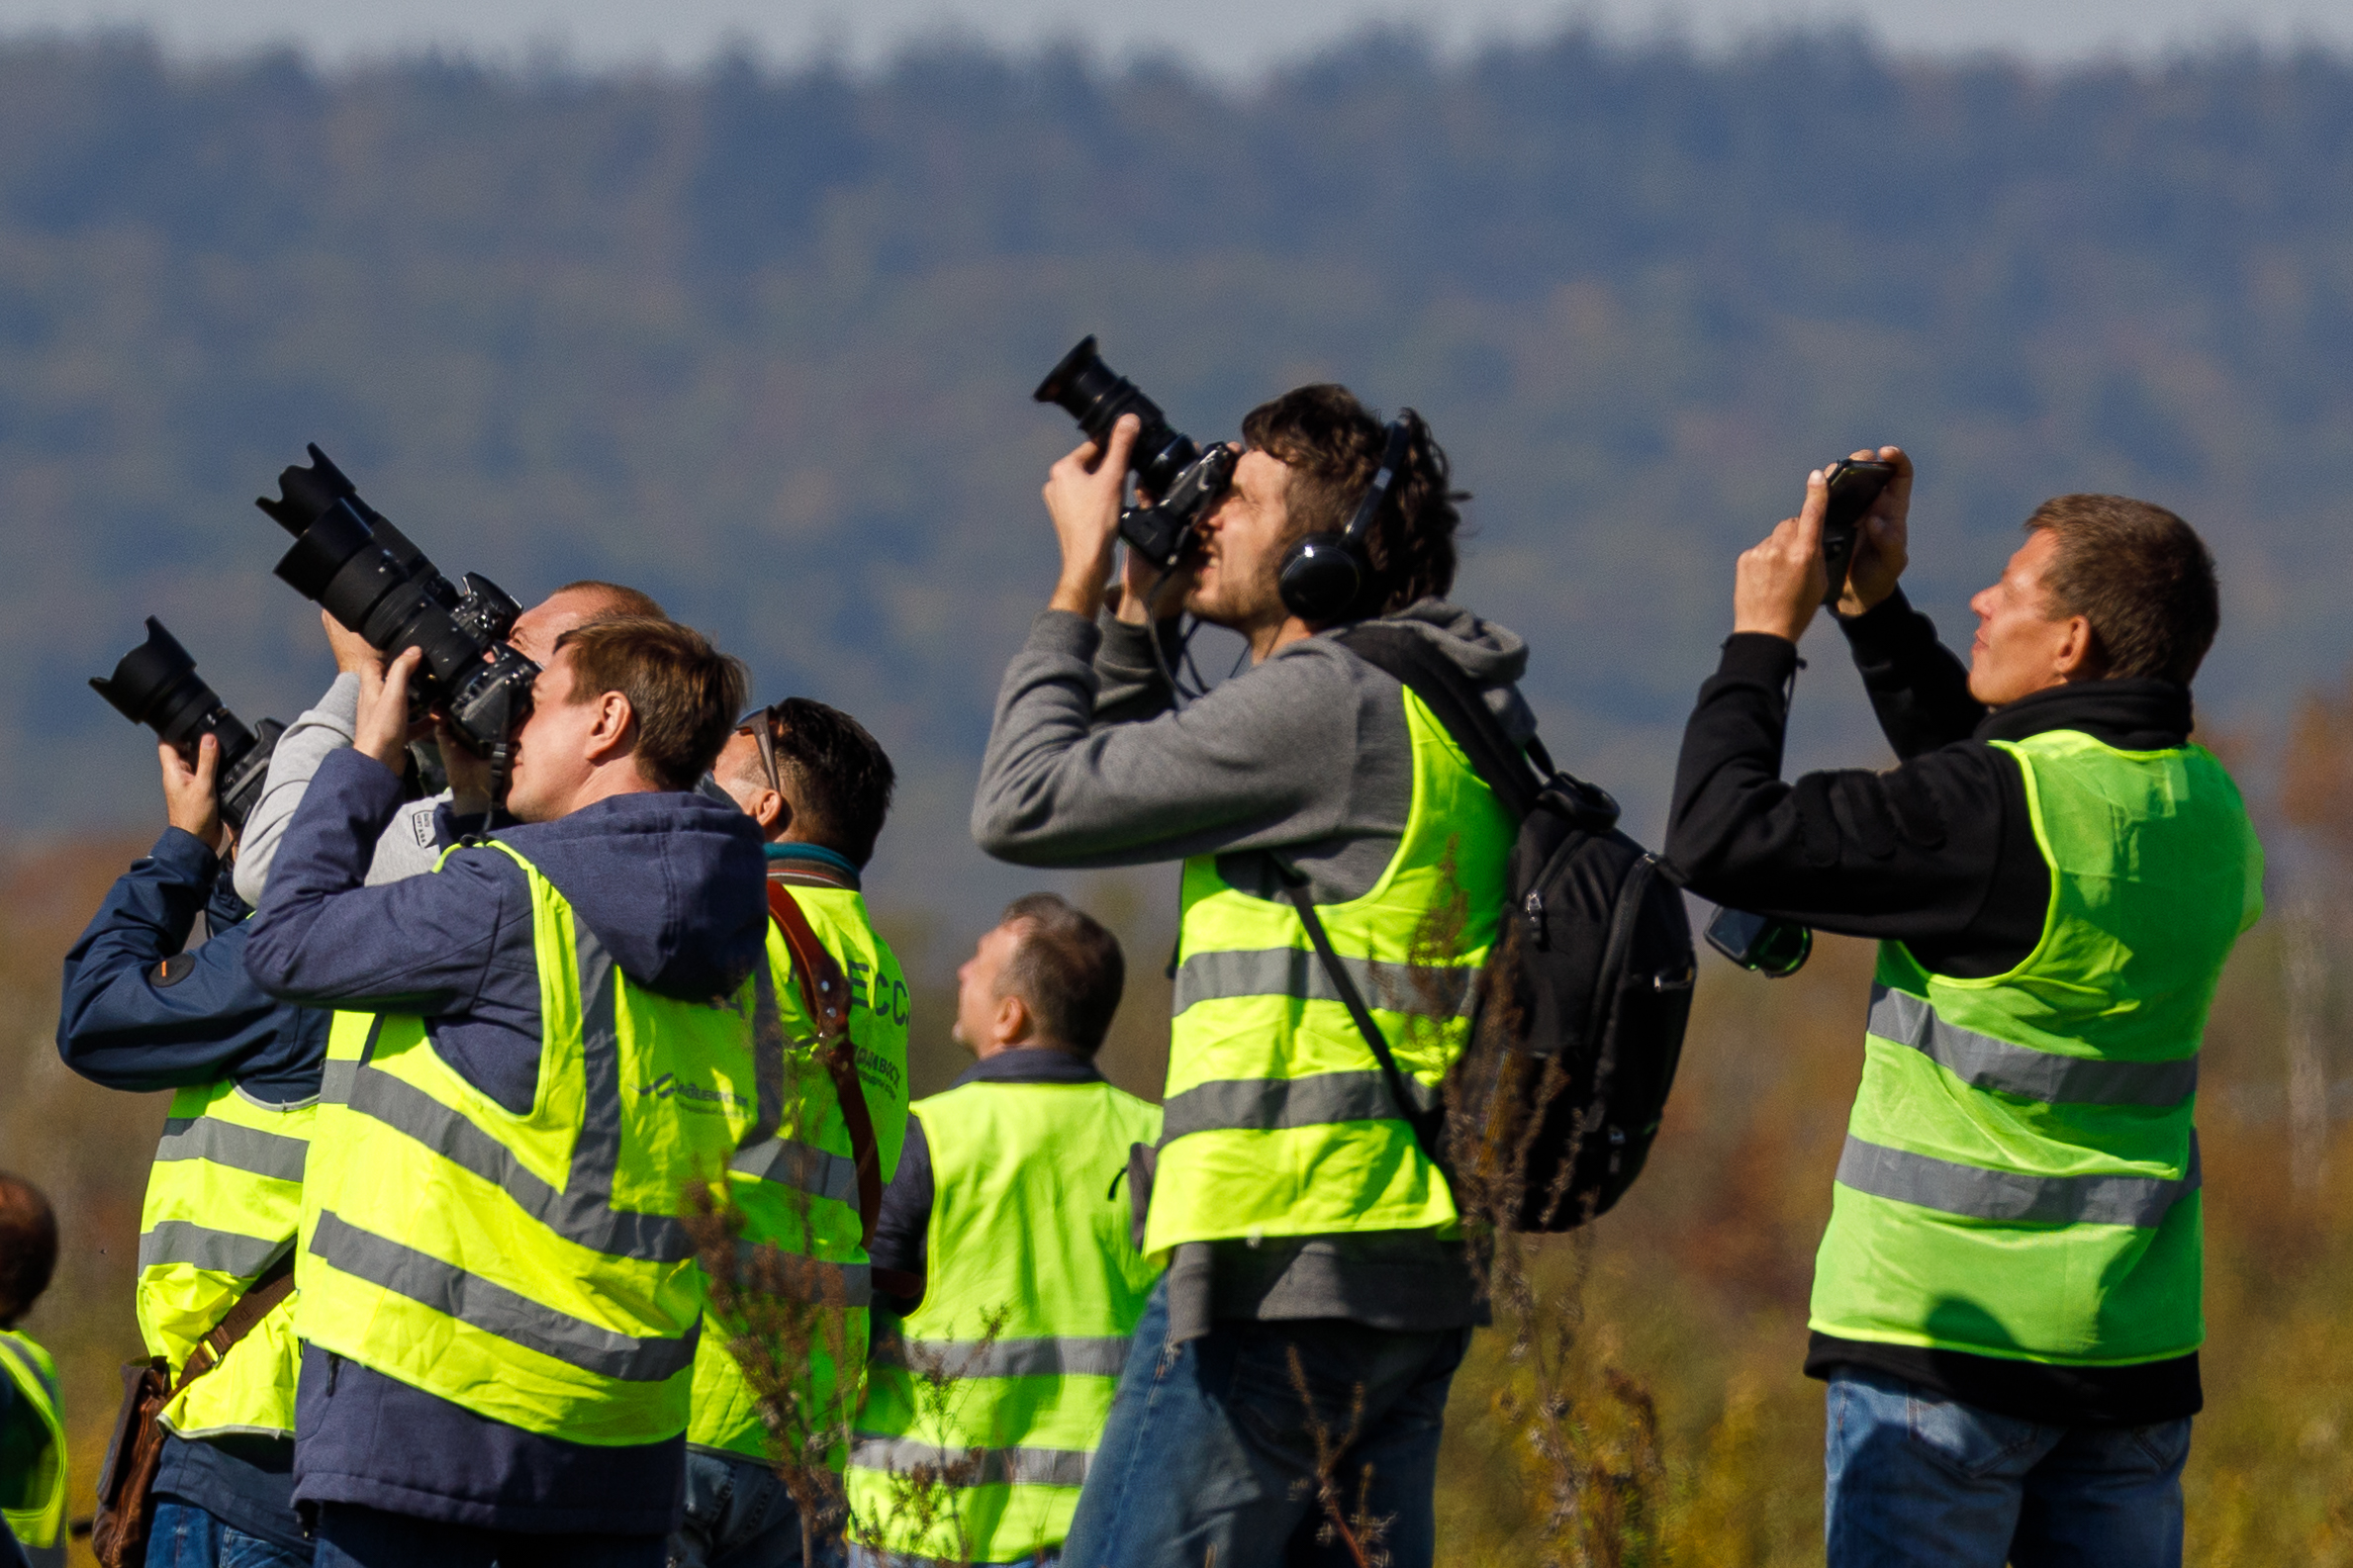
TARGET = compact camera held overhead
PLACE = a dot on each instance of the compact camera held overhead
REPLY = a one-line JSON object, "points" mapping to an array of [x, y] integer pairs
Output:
{"points": [[349, 560]]}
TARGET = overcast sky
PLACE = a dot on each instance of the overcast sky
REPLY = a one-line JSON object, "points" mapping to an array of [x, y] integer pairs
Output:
{"points": [[1233, 38]]}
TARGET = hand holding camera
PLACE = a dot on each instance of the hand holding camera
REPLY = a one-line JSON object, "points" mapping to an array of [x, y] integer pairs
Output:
{"points": [[189, 802], [1084, 493], [1881, 495]]}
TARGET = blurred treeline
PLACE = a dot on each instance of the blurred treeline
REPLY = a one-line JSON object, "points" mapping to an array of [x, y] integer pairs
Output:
{"points": [[761, 341]]}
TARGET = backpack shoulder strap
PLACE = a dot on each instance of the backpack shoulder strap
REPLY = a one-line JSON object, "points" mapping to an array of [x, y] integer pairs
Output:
{"points": [[1520, 775], [825, 994], [274, 1284]]}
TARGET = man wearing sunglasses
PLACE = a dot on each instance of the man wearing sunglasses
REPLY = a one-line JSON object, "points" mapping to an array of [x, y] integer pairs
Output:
{"points": [[2005, 1304], [818, 787]]}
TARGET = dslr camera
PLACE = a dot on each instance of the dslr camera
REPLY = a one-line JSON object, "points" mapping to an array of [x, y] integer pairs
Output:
{"points": [[355, 565], [156, 685], [1184, 479]]}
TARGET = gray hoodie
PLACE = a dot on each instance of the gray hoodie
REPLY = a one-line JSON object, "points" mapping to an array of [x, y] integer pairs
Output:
{"points": [[1307, 752]]}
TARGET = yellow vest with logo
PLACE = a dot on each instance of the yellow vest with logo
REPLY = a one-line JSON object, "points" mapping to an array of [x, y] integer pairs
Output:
{"points": [[529, 1266], [799, 1190]]}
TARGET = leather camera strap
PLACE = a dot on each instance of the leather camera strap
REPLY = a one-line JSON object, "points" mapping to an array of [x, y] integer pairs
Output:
{"points": [[826, 994], [274, 1284]]}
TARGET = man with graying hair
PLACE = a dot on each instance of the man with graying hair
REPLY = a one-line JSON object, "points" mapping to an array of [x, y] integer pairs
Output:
{"points": [[1010, 1215], [2006, 1302]]}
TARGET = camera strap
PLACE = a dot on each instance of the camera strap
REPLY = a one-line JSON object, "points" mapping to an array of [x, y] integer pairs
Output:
{"points": [[825, 996]]}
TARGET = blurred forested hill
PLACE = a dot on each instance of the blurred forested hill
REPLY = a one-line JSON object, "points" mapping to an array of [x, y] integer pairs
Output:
{"points": [[761, 343]]}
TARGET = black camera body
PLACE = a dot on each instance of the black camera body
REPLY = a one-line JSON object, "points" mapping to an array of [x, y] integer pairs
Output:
{"points": [[349, 559], [156, 685], [1170, 466]]}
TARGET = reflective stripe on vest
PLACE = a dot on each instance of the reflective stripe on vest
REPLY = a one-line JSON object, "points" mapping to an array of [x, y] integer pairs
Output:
{"points": [[529, 1266], [33, 1498], [224, 1202], [2021, 1175], [798, 1191], [983, 1407], [1280, 1121]]}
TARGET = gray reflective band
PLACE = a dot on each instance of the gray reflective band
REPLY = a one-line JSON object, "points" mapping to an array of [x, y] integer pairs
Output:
{"points": [[768, 1268], [1433, 991], [2012, 1196], [972, 1466], [585, 1217], [583, 1211], [494, 1308], [197, 1247], [1265, 1104], [1997, 1065], [247, 1149], [789, 1162], [1056, 1358]]}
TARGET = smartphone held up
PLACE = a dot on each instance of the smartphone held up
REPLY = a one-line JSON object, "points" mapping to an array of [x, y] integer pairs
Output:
{"points": [[1855, 485]]}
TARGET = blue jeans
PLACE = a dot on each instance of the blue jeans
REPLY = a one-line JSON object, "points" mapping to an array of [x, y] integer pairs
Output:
{"points": [[740, 1515], [350, 1537], [1920, 1481], [186, 1536], [1208, 1444]]}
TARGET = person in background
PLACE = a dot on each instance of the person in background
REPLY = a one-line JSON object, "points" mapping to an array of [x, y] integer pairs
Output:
{"points": [[32, 1419], [1011, 1221], [410, 844], [2007, 1301], [539, 1048], [818, 787], [143, 1011]]}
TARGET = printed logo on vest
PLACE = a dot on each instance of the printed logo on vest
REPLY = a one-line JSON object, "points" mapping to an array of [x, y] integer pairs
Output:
{"points": [[693, 1097]]}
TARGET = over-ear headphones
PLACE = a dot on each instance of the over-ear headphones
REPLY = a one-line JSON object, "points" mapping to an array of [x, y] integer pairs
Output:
{"points": [[1325, 574]]}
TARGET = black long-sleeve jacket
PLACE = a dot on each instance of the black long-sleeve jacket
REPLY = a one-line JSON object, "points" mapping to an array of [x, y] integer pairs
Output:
{"points": [[1939, 853]]}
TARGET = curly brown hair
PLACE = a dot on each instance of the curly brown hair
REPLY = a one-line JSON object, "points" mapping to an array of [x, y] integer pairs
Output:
{"points": [[1331, 443]]}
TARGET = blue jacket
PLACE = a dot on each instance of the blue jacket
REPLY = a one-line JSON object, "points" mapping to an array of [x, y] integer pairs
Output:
{"points": [[675, 886], [141, 1014]]}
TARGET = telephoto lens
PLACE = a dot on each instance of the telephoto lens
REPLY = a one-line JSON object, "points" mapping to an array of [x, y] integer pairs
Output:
{"points": [[1185, 480], [156, 685], [361, 570]]}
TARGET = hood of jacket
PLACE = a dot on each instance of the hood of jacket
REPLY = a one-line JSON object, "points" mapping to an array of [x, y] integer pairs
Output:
{"points": [[673, 884], [1495, 656]]}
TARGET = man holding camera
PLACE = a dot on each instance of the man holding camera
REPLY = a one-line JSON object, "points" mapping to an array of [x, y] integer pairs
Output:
{"points": [[141, 1011], [1292, 1205], [2007, 1301], [818, 787], [538, 1048], [411, 844]]}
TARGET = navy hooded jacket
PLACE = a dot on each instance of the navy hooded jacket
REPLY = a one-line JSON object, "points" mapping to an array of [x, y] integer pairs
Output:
{"points": [[675, 886]]}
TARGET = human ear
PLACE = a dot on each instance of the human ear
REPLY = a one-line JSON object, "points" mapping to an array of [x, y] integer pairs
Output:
{"points": [[609, 736], [2078, 656], [1012, 1021]]}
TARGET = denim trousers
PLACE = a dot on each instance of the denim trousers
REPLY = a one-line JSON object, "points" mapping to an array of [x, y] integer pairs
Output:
{"points": [[1920, 1481], [186, 1536], [740, 1515], [1212, 1444], [350, 1537]]}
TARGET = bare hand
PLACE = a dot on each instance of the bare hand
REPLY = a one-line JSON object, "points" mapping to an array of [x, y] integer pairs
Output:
{"points": [[469, 774], [1141, 581], [1881, 547], [383, 729], [1082, 496], [351, 650], [189, 804], [1782, 579]]}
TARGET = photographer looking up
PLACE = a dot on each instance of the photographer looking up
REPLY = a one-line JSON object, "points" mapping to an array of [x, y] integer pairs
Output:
{"points": [[542, 1045], [1293, 1204], [818, 786], [2005, 1304], [142, 1011], [410, 844], [1009, 1217]]}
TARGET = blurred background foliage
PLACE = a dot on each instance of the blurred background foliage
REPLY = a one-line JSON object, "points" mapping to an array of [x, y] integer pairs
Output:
{"points": [[759, 341]]}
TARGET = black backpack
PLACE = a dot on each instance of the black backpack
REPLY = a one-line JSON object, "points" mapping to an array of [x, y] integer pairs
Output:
{"points": [[1584, 1003]]}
